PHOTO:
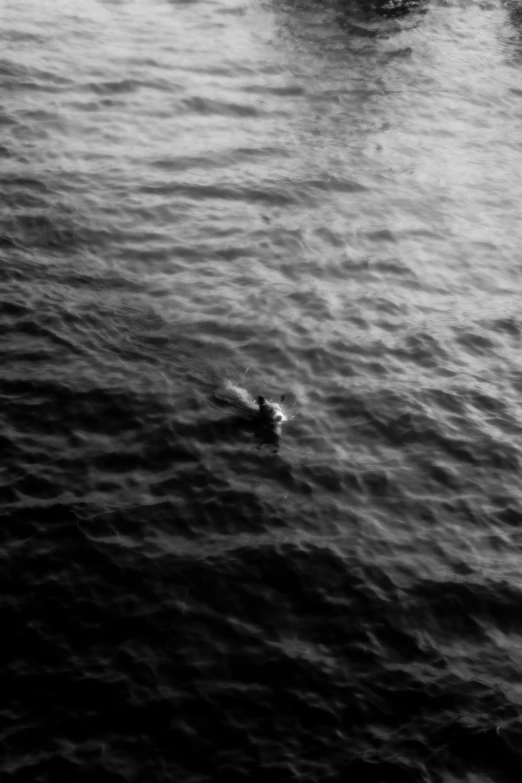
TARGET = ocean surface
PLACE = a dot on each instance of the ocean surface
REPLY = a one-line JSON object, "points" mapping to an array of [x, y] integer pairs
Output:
{"points": [[206, 201]]}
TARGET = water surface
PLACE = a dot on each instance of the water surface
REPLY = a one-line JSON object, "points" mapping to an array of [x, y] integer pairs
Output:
{"points": [[291, 197]]}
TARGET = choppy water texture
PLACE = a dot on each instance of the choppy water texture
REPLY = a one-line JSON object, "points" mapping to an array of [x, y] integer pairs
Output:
{"points": [[279, 196]]}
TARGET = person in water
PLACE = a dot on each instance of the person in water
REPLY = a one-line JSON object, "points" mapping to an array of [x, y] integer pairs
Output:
{"points": [[271, 411]]}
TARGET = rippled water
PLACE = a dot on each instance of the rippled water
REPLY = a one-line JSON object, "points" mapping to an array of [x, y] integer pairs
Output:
{"points": [[283, 197]]}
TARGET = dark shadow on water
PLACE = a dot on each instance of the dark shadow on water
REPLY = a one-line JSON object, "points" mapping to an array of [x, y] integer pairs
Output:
{"points": [[357, 18], [389, 9], [232, 429], [512, 36]]}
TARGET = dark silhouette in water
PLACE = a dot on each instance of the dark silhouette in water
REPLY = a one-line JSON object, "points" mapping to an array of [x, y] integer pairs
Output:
{"points": [[231, 428], [390, 9], [267, 433], [386, 8], [395, 8]]}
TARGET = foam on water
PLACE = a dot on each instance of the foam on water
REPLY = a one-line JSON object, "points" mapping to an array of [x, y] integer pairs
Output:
{"points": [[242, 396]]}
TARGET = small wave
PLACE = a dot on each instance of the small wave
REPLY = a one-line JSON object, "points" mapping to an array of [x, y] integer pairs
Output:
{"points": [[210, 106], [25, 77], [113, 87], [271, 196]]}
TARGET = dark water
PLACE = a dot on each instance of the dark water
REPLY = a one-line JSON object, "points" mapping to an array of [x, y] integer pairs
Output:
{"points": [[291, 197]]}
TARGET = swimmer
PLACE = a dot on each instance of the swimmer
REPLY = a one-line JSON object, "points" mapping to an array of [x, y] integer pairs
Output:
{"points": [[271, 411]]}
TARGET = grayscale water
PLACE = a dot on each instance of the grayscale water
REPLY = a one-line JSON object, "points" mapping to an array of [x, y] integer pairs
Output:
{"points": [[286, 197]]}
